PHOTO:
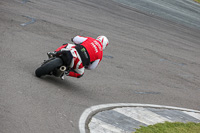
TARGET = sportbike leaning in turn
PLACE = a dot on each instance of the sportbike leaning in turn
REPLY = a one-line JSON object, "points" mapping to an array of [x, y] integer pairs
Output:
{"points": [[73, 59]]}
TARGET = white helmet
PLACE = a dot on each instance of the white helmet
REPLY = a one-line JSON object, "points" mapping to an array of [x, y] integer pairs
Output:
{"points": [[104, 41]]}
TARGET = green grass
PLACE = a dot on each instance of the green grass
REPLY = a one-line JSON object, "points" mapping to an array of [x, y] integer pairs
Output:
{"points": [[197, 1], [168, 127]]}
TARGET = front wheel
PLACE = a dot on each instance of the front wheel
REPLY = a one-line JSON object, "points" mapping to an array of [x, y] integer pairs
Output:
{"points": [[48, 67]]}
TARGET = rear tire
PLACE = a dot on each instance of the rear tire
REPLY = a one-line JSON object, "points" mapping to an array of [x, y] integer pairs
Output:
{"points": [[45, 69]]}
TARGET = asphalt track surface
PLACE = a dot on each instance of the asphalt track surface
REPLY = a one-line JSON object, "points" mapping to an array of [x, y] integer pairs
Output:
{"points": [[150, 60]]}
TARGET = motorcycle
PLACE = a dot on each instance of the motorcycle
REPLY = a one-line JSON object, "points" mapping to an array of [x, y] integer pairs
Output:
{"points": [[53, 66]]}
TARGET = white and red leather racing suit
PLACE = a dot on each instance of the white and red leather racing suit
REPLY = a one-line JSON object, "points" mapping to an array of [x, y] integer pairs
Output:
{"points": [[87, 53]]}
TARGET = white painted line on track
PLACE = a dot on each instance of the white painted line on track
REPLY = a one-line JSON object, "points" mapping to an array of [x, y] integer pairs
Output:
{"points": [[102, 127], [88, 113], [142, 115], [195, 115], [30, 22]]}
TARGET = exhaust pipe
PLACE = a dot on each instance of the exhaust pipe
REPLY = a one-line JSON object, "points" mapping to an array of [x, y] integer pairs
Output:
{"points": [[59, 72], [63, 68]]}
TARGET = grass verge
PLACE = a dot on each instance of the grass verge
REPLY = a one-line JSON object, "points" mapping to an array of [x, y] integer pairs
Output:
{"points": [[197, 1], [171, 127]]}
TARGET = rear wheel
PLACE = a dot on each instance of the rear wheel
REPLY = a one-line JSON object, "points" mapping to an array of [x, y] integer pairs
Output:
{"points": [[48, 67]]}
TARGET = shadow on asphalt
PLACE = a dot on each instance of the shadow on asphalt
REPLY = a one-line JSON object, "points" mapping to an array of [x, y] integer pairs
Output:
{"points": [[65, 84]]}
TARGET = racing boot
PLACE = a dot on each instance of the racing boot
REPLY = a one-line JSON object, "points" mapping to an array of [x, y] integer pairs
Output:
{"points": [[66, 73], [62, 77]]}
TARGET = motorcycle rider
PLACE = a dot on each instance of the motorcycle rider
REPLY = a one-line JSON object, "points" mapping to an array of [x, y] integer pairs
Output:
{"points": [[86, 52]]}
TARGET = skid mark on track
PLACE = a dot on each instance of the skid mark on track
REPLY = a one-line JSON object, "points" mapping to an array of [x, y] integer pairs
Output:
{"points": [[24, 1], [108, 56], [150, 92], [180, 64]]}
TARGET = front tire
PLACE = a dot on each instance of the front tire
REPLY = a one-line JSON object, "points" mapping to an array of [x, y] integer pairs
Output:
{"points": [[48, 67]]}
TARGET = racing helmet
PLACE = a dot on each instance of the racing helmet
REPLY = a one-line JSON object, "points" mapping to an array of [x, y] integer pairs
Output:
{"points": [[104, 41]]}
